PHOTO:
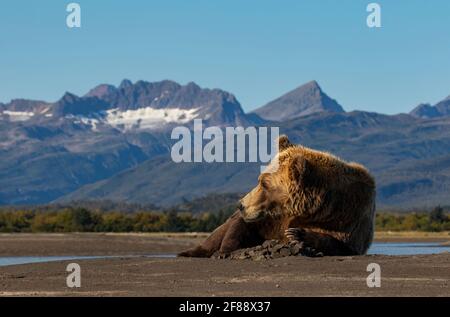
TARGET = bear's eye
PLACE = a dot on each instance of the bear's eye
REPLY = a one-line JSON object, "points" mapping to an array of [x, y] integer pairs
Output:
{"points": [[264, 183]]}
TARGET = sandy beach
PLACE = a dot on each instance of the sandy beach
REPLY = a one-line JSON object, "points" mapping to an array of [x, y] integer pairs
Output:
{"points": [[417, 275]]}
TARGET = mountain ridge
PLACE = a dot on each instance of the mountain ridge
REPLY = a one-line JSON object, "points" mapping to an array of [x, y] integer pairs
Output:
{"points": [[107, 143], [401, 163], [164, 102]]}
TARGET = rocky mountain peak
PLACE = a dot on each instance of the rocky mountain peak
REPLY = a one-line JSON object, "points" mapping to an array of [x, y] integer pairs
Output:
{"points": [[427, 111], [304, 100], [68, 98], [101, 90], [126, 83]]}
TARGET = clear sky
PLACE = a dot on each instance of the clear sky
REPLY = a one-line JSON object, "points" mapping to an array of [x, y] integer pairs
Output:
{"points": [[255, 49]]}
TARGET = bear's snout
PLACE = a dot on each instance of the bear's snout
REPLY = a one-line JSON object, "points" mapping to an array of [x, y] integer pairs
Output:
{"points": [[241, 209], [250, 216]]}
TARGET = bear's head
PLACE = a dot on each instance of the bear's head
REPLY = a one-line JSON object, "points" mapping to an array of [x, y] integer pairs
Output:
{"points": [[274, 192]]}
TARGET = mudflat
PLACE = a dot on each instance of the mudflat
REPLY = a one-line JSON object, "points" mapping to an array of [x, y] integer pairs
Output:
{"points": [[61, 244], [417, 275]]}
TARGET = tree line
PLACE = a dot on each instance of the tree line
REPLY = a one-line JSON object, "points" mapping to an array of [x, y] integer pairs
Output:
{"points": [[82, 219], [436, 220], [85, 220]]}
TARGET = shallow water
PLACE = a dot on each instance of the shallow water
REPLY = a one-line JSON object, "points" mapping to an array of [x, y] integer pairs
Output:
{"points": [[5, 261], [387, 248], [407, 248]]}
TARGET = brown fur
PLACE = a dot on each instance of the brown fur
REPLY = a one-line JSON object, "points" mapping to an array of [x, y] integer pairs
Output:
{"points": [[327, 203]]}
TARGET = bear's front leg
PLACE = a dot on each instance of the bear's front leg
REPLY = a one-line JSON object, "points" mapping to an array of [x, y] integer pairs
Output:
{"points": [[316, 243], [240, 234], [213, 243], [234, 234]]}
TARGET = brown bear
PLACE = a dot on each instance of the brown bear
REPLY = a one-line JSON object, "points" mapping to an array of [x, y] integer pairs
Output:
{"points": [[311, 197]]}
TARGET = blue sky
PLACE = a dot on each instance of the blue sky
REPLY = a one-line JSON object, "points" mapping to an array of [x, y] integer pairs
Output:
{"points": [[255, 49]]}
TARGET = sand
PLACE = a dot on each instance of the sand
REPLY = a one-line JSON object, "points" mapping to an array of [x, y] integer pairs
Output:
{"points": [[420, 275]]}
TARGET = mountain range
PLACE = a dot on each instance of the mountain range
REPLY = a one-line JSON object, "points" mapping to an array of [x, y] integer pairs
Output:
{"points": [[114, 143]]}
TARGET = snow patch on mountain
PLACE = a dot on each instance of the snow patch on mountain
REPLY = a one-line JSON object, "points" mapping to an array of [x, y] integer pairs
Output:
{"points": [[92, 122], [149, 118], [18, 115], [143, 118]]}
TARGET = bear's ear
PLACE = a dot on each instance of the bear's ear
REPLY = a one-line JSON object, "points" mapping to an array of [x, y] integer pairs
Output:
{"points": [[299, 171], [283, 143]]}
